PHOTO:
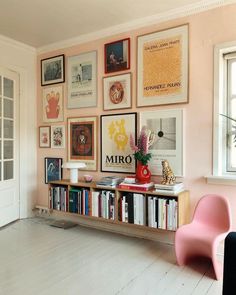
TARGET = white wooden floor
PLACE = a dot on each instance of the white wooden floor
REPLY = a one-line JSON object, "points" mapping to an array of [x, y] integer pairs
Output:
{"points": [[36, 258]]}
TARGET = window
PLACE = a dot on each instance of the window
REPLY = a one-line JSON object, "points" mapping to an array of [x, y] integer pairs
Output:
{"points": [[224, 143]]}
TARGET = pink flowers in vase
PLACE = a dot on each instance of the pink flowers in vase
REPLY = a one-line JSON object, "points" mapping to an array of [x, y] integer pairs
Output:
{"points": [[145, 141]]}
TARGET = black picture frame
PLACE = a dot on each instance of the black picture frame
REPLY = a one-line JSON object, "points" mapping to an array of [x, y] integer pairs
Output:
{"points": [[53, 70], [116, 153], [53, 169]]}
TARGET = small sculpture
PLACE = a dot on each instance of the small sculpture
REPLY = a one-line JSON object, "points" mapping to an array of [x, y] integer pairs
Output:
{"points": [[168, 176]]}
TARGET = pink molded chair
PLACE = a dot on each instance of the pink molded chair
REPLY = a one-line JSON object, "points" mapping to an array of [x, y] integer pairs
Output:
{"points": [[211, 223]]}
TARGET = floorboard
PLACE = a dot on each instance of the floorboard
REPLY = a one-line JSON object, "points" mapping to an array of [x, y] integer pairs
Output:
{"points": [[43, 260]]}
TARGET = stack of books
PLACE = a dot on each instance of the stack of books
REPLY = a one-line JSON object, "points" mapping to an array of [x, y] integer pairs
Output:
{"points": [[109, 181], [136, 186], [169, 189]]}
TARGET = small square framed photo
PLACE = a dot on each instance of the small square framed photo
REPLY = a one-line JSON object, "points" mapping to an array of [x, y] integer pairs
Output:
{"points": [[58, 136], [117, 56], [53, 169], [53, 70], [44, 136], [117, 92]]}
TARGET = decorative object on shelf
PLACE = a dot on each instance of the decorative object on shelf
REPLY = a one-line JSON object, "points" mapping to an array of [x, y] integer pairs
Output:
{"points": [[168, 176], [53, 104], [141, 153], [88, 178], [82, 141], [44, 136], [117, 56], [52, 70], [168, 128], [53, 169], [116, 153], [162, 70], [117, 92], [82, 80], [58, 136], [73, 166]]}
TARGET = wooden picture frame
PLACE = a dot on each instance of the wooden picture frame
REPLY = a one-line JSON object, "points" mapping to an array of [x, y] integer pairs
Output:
{"points": [[116, 153], [168, 128], [44, 136], [117, 56], [53, 109], [58, 136], [117, 92], [53, 70], [82, 80], [162, 67], [82, 141], [53, 169]]}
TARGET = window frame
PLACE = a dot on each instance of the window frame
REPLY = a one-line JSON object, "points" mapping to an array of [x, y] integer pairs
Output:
{"points": [[220, 107]]}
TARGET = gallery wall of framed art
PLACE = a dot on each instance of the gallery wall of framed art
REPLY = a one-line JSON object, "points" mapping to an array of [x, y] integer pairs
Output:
{"points": [[104, 97]]}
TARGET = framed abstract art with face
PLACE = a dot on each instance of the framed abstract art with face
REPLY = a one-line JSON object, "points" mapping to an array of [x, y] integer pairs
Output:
{"points": [[82, 141]]}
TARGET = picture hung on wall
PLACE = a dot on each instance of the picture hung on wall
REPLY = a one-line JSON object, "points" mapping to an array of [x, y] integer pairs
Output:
{"points": [[53, 104], [117, 92], [162, 70], [168, 128], [82, 141], [53, 169], [116, 154], [82, 80], [52, 70], [117, 56], [58, 136], [44, 136]]}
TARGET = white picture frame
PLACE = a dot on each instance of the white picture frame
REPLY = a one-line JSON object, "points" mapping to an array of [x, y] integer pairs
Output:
{"points": [[168, 128], [82, 80], [117, 92], [58, 136], [162, 69], [53, 109]]}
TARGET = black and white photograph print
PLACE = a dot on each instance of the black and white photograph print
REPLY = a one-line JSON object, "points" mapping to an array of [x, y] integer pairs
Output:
{"points": [[52, 70]]}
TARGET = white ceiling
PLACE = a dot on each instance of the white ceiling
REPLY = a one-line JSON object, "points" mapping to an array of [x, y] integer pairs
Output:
{"points": [[42, 22]]}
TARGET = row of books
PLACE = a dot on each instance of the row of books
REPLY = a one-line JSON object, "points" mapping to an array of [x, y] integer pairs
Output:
{"points": [[151, 211], [162, 213], [169, 189], [82, 201]]}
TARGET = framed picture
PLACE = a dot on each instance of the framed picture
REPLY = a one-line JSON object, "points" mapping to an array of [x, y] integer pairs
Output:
{"points": [[116, 154], [82, 141], [44, 136], [53, 104], [168, 127], [162, 71], [82, 80], [52, 70], [58, 136], [117, 92], [53, 169], [117, 56]]}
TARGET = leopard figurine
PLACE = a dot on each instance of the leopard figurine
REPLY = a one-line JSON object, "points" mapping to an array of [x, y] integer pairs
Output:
{"points": [[168, 176]]}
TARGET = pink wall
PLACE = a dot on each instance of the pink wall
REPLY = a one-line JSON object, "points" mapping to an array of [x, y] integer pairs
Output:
{"points": [[205, 30]]}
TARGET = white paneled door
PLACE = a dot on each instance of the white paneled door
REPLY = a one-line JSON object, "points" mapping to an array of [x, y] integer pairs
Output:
{"points": [[9, 146]]}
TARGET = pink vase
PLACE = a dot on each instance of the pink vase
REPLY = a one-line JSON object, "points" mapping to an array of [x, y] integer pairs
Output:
{"points": [[143, 174]]}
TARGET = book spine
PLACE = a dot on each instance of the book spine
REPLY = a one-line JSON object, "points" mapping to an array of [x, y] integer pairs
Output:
{"points": [[133, 187]]}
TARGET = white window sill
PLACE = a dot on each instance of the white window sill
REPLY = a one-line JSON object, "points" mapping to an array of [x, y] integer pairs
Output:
{"points": [[222, 179]]}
